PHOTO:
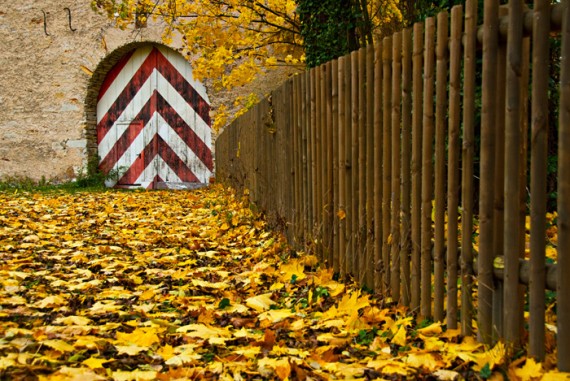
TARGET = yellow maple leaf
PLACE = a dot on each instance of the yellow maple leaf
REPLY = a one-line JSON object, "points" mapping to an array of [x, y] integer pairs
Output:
{"points": [[353, 302], [135, 375], [260, 303], [268, 367], [432, 329], [556, 376], [206, 284], [166, 352], [276, 286], [423, 360], [142, 337], [131, 350], [59, 345], [203, 331], [73, 320], [51, 301], [492, 357], [275, 316], [6, 362], [148, 294], [250, 352], [94, 363], [400, 337], [389, 366], [294, 270], [531, 370], [341, 214], [184, 358]]}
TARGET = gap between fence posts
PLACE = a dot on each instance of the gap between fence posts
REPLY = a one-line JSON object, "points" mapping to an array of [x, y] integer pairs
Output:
{"points": [[563, 296]]}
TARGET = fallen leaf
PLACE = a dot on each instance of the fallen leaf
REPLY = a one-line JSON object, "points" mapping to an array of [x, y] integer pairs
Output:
{"points": [[260, 303], [400, 337], [59, 345], [94, 363], [531, 370]]}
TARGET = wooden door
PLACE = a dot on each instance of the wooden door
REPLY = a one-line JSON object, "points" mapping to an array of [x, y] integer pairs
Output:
{"points": [[153, 123]]}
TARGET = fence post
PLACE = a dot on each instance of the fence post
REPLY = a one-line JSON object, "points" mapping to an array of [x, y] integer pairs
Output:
{"points": [[485, 260], [427, 167], [349, 165], [539, 153], [513, 140], [296, 222], [441, 129], [363, 266], [378, 118], [304, 159], [319, 136], [406, 157], [334, 165], [417, 163], [370, 164], [396, 130], [342, 125], [386, 162], [326, 161], [453, 163], [467, 166], [355, 92], [312, 132]]}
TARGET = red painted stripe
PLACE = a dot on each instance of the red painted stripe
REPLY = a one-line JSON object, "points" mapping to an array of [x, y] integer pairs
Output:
{"points": [[177, 165], [114, 73], [126, 96], [184, 88], [139, 165], [156, 180], [186, 133], [158, 103], [130, 134], [170, 73], [160, 147]]}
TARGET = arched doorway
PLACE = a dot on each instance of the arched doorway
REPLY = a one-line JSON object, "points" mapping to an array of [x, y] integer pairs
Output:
{"points": [[153, 123]]}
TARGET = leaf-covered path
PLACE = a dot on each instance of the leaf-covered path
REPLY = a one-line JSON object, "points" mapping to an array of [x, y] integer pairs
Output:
{"points": [[191, 285]]}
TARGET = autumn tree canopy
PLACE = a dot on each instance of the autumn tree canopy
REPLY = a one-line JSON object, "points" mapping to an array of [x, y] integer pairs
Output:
{"points": [[231, 41]]}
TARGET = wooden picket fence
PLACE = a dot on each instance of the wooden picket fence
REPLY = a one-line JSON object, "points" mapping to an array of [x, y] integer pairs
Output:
{"points": [[369, 160]]}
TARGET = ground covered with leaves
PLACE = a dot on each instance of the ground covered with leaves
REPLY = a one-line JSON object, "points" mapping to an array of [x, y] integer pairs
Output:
{"points": [[192, 285]]}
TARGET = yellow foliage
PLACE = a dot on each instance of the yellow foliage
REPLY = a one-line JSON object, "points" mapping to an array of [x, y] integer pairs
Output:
{"points": [[189, 301], [230, 42]]}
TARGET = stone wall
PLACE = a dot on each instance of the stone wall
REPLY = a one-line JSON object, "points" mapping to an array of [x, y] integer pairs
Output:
{"points": [[44, 80], [49, 81]]}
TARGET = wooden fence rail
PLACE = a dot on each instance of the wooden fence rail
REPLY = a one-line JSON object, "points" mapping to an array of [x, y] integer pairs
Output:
{"points": [[370, 161]]}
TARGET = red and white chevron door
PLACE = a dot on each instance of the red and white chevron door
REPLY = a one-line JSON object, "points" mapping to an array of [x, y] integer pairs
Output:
{"points": [[153, 123]]}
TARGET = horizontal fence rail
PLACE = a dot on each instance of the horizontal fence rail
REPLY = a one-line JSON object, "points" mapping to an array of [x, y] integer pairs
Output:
{"points": [[384, 161]]}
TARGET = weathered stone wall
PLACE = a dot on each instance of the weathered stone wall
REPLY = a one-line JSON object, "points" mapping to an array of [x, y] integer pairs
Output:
{"points": [[47, 97], [43, 83]]}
